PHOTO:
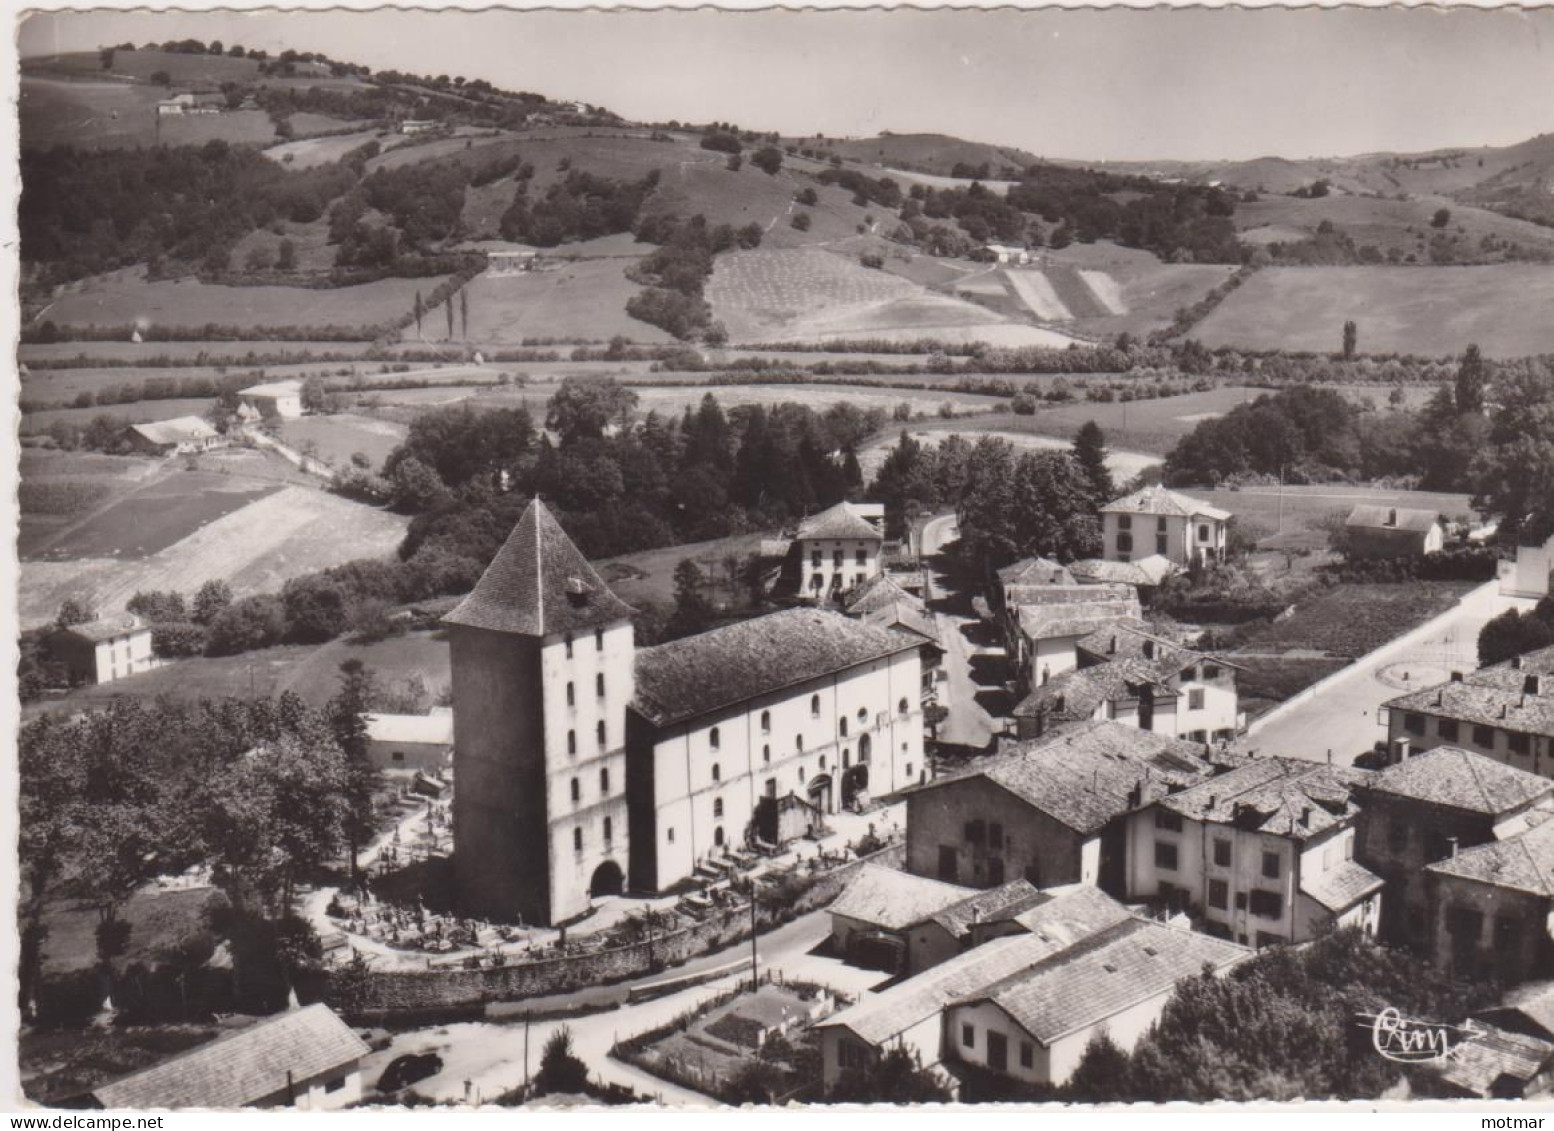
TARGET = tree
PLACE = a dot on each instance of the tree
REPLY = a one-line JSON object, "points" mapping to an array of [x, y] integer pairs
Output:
{"points": [[464, 312], [1101, 1075], [768, 159], [807, 197], [734, 163], [897, 1076], [74, 611], [1472, 377], [584, 405], [416, 486], [692, 612], [347, 713], [254, 622], [211, 600], [1090, 451], [419, 310], [1514, 633], [1351, 338], [286, 256], [800, 221], [156, 607], [1441, 218], [448, 309], [561, 1071]]}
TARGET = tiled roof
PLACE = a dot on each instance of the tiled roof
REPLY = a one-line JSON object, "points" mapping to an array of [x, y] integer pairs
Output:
{"points": [[1157, 500], [1036, 571], [1522, 863], [1535, 1001], [689, 677], [839, 521], [240, 1069], [1072, 594], [175, 431], [1473, 702], [1341, 887], [878, 592], [879, 1016], [991, 906], [1098, 978], [1072, 912], [539, 583], [1056, 622], [1476, 1066], [273, 389], [430, 729], [107, 628], [1461, 779], [1132, 641], [890, 899], [1285, 797], [1090, 773], [1146, 571], [1511, 675], [1076, 694], [1374, 518], [906, 617]]}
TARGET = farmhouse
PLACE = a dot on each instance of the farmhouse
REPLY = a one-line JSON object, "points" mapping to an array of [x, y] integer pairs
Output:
{"points": [[411, 742], [176, 105], [1262, 854], [1422, 809], [838, 549], [755, 729], [1392, 532], [1032, 572], [413, 126], [1153, 521], [104, 650], [1491, 907], [1498, 1064], [1504, 711], [1050, 811], [1024, 1006], [871, 920], [1008, 253], [180, 436], [511, 262], [278, 400], [306, 1059]]}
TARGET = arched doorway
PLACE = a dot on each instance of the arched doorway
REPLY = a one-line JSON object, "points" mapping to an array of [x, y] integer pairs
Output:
{"points": [[855, 786], [819, 792], [607, 880]]}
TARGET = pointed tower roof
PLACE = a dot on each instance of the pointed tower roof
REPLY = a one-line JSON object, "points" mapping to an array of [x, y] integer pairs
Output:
{"points": [[539, 583]]}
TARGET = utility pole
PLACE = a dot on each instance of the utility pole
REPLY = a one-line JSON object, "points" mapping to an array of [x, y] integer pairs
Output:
{"points": [[1281, 498], [754, 972]]}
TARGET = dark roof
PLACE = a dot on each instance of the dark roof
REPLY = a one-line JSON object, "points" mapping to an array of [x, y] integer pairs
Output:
{"points": [[878, 592], [839, 521], [1522, 863], [1090, 773], [1036, 571], [1486, 704], [1076, 694], [1157, 500], [1054, 622], [1125, 641], [107, 628], [1461, 779], [991, 906], [690, 677], [1285, 797], [1374, 518], [1478, 1065], [539, 583], [242, 1068], [1119, 967], [1342, 886], [1534, 1001], [1146, 571], [1070, 594], [892, 899], [904, 616], [1511, 675]]}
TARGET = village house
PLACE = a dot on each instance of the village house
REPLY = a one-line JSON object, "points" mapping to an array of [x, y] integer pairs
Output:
{"points": [[1043, 625], [1051, 811], [1504, 711], [412, 126], [871, 919], [758, 729], [1498, 1064], [1153, 521], [1031, 572], [104, 650], [1531, 574], [1025, 1005], [1263, 854], [411, 742], [838, 550], [980, 917], [511, 261], [1008, 253], [183, 435], [1129, 675], [306, 1059], [885, 603], [1418, 811], [1492, 906], [277, 400], [1392, 532]]}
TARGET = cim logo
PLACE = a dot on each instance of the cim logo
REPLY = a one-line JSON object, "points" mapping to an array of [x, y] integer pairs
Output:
{"points": [[1406, 1041]]}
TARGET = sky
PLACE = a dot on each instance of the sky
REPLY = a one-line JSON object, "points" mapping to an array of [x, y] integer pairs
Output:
{"points": [[1088, 85]]}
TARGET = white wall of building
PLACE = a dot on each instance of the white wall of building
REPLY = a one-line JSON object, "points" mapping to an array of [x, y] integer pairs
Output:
{"points": [[1184, 540], [823, 572], [125, 655]]}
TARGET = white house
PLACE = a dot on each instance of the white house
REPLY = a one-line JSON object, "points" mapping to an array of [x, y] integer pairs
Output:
{"points": [[1531, 574], [1262, 854], [1008, 253], [411, 742], [275, 400], [1388, 532], [839, 549], [104, 650], [1154, 521], [182, 435]]}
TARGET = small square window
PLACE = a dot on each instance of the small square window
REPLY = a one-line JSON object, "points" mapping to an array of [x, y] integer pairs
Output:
{"points": [[1165, 856], [1166, 819], [1195, 699], [1517, 743], [1221, 852], [968, 1036], [335, 1085], [1271, 865], [1219, 894], [1414, 724], [1447, 729], [1484, 736], [1027, 1054]]}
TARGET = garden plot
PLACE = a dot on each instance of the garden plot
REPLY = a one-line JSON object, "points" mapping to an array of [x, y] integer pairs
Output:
{"points": [[1105, 290], [1036, 291]]}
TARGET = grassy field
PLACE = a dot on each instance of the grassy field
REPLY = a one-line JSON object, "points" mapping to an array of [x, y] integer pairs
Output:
{"points": [[1350, 620], [125, 297], [309, 152], [113, 115], [649, 576], [1266, 681], [57, 487], [1302, 507], [335, 439], [1113, 290], [584, 300], [137, 412], [277, 535], [1433, 311]]}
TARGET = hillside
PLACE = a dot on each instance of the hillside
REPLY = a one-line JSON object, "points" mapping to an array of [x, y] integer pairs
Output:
{"points": [[937, 154]]}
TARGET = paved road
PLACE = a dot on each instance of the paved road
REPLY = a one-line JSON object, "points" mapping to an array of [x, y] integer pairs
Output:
{"points": [[1344, 716], [969, 723]]}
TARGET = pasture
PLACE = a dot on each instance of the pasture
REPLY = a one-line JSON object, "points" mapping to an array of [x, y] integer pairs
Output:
{"points": [[1435, 311], [313, 151], [648, 576], [583, 300], [138, 412], [255, 547], [126, 297], [335, 439], [1350, 620], [1302, 507]]}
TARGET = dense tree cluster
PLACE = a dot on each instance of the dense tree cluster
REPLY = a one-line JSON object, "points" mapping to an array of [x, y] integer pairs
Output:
{"points": [[1514, 633], [676, 273], [882, 191], [579, 207]]}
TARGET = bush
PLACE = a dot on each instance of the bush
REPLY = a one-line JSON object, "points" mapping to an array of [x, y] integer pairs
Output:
{"points": [[171, 639], [254, 622], [800, 221], [560, 1069]]}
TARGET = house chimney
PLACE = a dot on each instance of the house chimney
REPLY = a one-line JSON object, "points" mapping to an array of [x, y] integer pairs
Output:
{"points": [[1452, 841], [1401, 749], [1456, 677], [1111, 649], [1305, 816]]}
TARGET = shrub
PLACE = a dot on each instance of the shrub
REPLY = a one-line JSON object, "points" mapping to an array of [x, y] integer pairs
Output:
{"points": [[254, 622], [800, 221], [171, 639]]}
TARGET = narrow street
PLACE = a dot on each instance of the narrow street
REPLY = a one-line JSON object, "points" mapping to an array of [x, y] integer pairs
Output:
{"points": [[973, 656]]}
